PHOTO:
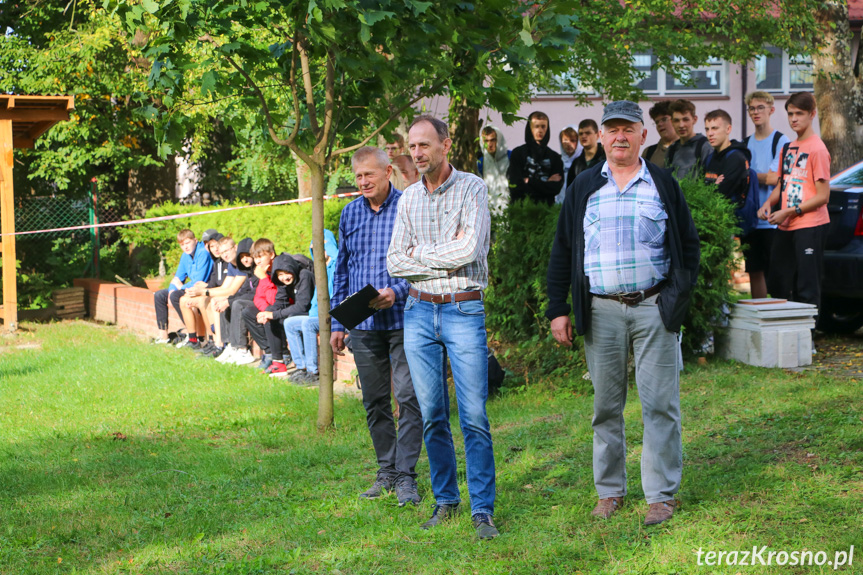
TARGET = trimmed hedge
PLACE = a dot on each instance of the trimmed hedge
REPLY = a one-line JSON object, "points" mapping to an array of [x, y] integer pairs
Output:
{"points": [[288, 226]]}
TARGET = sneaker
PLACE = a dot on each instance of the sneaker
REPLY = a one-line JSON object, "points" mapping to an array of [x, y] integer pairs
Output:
{"points": [[298, 376], [161, 340], [310, 379], [277, 369], [243, 357], [207, 348], [484, 526], [226, 354], [441, 513], [214, 352], [194, 345], [380, 487], [406, 491], [266, 362], [659, 512], [183, 340]]}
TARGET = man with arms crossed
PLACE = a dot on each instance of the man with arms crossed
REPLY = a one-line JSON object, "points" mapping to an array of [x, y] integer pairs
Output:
{"points": [[365, 230], [440, 245], [627, 248]]}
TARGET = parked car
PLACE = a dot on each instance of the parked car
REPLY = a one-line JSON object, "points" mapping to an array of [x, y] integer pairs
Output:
{"points": [[842, 285]]}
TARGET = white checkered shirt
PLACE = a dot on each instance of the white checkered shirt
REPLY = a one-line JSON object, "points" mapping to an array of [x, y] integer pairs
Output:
{"points": [[429, 223], [624, 236]]}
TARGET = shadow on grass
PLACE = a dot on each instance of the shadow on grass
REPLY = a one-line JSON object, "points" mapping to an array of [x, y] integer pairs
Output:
{"points": [[21, 370]]}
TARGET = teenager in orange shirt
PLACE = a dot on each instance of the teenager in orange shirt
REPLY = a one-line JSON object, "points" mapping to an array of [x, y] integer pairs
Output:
{"points": [[797, 256]]}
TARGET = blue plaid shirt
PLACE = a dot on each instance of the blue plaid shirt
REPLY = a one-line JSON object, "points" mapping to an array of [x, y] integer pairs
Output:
{"points": [[364, 238], [625, 248]]}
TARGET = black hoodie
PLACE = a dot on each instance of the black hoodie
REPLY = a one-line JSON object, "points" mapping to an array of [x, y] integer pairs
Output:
{"points": [[220, 267], [247, 290], [733, 163], [536, 163], [294, 298]]}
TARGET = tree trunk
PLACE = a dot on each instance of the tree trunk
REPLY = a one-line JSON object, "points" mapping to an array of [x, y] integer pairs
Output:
{"points": [[325, 369], [464, 132], [305, 187], [837, 88], [150, 186]]}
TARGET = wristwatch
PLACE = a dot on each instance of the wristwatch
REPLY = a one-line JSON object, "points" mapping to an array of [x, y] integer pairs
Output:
{"points": [[798, 210]]}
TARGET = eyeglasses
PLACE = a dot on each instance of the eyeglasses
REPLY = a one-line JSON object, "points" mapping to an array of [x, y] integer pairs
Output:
{"points": [[756, 108], [662, 120]]}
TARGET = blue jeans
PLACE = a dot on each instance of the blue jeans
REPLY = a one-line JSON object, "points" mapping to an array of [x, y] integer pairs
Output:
{"points": [[302, 334], [433, 331]]}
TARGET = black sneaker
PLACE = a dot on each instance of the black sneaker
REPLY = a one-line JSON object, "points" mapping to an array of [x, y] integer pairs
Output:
{"points": [[207, 347], [484, 526], [441, 513], [406, 491], [194, 345], [266, 362], [311, 379], [298, 376], [379, 488]]}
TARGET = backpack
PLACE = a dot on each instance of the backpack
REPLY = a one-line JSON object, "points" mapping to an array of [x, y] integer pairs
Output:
{"points": [[777, 135], [747, 204]]}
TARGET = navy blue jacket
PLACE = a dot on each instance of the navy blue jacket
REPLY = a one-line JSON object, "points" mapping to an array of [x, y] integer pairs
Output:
{"points": [[566, 266]]}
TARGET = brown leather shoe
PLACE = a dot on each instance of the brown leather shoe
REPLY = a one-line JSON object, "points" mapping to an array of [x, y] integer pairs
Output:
{"points": [[659, 512], [606, 507]]}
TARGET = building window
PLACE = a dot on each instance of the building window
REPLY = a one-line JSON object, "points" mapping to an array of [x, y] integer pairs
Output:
{"points": [[562, 85], [783, 73], [706, 79]]}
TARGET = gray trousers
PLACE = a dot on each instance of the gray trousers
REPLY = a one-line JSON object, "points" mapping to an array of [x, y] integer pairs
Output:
{"points": [[377, 355], [232, 325], [613, 326]]}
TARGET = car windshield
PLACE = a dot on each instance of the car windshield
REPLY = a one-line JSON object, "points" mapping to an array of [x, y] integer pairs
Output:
{"points": [[852, 177]]}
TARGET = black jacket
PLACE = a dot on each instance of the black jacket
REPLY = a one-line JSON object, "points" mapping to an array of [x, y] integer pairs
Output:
{"points": [[247, 290], [294, 298], [566, 265], [537, 163], [733, 163], [581, 164]]}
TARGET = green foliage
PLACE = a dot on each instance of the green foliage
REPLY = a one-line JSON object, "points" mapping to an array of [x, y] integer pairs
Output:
{"points": [[52, 49], [518, 260], [516, 297], [288, 226], [716, 224]]}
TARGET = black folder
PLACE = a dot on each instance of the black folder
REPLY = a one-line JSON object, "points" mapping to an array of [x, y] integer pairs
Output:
{"points": [[355, 309]]}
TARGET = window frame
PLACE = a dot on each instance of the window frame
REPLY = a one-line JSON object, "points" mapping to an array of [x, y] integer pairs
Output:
{"points": [[785, 88], [662, 78]]}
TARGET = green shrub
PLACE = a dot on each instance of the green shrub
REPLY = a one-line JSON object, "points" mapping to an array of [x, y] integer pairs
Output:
{"points": [[716, 224], [288, 226]]}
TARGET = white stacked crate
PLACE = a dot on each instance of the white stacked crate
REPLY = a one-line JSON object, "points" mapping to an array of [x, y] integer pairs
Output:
{"points": [[768, 333]]}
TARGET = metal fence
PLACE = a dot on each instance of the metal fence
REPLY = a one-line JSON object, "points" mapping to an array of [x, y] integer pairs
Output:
{"points": [[36, 213]]}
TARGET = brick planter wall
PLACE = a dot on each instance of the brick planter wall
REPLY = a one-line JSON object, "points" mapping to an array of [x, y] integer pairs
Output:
{"points": [[133, 308]]}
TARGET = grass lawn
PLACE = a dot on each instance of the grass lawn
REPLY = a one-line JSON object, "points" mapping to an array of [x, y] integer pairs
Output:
{"points": [[123, 457]]}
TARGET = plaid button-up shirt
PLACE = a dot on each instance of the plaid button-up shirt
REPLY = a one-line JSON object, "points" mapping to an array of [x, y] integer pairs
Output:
{"points": [[364, 236], [428, 247], [624, 236]]}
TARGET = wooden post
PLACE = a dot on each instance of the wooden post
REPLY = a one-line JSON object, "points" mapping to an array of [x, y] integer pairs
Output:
{"points": [[7, 226]]}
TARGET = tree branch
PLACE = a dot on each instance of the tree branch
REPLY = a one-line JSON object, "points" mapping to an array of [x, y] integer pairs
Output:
{"points": [[307, 84], [257, 90], [329, 103], [392, 117]]}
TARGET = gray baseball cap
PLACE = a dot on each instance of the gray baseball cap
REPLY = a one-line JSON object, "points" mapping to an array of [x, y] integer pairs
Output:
{"points": [[208, 235], [622, 110]]}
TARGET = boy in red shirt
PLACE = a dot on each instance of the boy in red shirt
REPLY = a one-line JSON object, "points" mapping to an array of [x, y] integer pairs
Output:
{"points": [[797, 256]]}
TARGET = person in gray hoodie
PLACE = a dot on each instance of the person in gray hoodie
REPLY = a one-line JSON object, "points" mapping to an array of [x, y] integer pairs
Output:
{"points": [[492, 167]]}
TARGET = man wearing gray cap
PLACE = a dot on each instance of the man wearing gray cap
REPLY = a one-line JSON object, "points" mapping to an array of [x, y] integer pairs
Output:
{"points": [[627, 248]]}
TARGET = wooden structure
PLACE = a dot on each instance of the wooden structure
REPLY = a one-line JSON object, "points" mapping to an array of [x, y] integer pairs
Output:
{"points": [[22, 120]]}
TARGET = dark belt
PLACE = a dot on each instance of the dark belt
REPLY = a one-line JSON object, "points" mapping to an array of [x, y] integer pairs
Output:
{"points": [[633, 298], [446, 298]]}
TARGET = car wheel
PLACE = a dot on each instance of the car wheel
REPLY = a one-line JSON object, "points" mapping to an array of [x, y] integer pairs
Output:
{"points": [[840, 316]]}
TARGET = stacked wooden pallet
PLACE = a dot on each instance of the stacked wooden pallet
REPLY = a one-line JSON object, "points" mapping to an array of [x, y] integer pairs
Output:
{"points": [[69, 303]]}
